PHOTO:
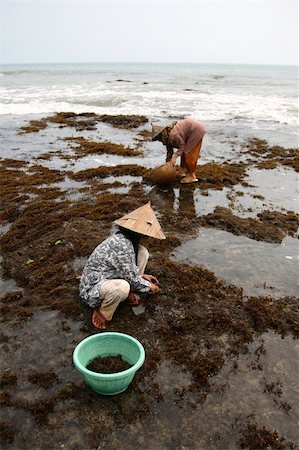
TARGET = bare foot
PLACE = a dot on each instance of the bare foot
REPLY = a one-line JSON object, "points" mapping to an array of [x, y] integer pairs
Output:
{"points": [[188, 179], [98, 320]]}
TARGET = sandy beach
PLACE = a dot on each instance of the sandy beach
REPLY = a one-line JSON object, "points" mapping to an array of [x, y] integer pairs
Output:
{"points": [[221, 337]]}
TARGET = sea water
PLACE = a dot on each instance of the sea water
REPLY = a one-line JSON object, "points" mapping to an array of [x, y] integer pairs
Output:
{"points": [[244, 100]]}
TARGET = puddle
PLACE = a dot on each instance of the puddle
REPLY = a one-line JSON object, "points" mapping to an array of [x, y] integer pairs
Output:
{"points": [[126, 182], [4, 228], [70, 188], [137, 310], [260, 268], [68, 183], [279, 187], [170, 377], [36, 347], [79, 263], [128, 179], [7, 285], [205, 204]]}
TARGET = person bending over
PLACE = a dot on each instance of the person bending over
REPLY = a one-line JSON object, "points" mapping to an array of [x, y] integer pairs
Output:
{"points": [[186, 136]]}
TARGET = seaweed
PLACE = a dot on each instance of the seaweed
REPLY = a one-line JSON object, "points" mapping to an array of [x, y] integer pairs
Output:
{"points": [[269, 227], [18, 186], [86, 147], [108, 171], [43, 379], [269, 157], [124, 121], [34, 126], [217, 176], [8, 378], [7, 432], [255, 437], [84, 121]]}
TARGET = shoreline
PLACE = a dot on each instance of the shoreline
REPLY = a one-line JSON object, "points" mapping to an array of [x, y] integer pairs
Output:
{"points": [[209, 333]]}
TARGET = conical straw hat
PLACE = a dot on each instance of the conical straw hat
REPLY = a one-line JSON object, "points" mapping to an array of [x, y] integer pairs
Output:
{"points": [[156, 130], [142, 220]]}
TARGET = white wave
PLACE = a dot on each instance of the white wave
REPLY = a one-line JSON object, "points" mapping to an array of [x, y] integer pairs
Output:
{"points": [[221, 103], [199, 109]]}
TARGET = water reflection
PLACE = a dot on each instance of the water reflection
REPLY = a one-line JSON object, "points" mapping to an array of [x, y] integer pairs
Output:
{"points": [[185, 202]]}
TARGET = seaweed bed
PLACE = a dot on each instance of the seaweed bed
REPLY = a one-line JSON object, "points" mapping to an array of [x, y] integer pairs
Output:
{"points": [[197, 324]]}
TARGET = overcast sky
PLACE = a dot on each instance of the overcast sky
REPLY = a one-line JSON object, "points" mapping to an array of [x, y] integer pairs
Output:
{"points": [[249, 32]]}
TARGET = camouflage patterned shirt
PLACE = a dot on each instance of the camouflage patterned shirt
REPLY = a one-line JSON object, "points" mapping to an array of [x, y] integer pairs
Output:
{"points": [[114, 258]]}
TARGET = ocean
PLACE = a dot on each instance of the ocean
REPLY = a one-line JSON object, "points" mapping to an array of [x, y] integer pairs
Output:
{"points": [[247, 100]]}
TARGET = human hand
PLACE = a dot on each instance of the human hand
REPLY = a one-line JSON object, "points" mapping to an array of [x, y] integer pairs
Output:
{"points": [[154, 289], [173, 160], [151, 278]]}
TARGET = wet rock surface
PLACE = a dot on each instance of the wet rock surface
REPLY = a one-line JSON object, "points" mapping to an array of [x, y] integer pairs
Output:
{"points": [[215, 356]]}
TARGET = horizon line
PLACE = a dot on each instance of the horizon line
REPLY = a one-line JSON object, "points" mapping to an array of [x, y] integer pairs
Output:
{"points": [[148, 62]]}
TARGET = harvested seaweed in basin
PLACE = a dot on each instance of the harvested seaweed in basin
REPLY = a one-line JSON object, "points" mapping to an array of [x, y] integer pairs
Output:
{"points": [[108, 364]]}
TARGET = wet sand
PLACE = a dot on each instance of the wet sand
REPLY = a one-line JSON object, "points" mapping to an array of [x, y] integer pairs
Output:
{"points": [[221, 337]]}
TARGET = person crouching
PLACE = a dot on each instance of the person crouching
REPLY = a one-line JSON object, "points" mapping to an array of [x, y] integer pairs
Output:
{"points": [[114, 272]]}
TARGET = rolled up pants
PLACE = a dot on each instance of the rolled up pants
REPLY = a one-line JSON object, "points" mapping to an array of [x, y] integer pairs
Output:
{"points": [[113, 292], [189, 159]]}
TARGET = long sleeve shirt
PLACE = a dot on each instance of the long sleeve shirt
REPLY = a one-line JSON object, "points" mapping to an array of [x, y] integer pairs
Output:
{"points": [[114, 258], [185, 136]]}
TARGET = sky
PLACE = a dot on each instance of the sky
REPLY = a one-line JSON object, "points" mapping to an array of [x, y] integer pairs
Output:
{"points": [[234, 32]]}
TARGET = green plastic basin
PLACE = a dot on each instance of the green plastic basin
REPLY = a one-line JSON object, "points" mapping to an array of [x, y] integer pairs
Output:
{"points": [[109, 344]]}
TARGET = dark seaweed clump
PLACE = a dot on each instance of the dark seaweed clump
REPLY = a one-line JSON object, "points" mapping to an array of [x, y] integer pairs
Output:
{"points": [[269, 227], [270, 157], [123, 121], [108, 364], [43, 379], [84, 121], [8, 378], [85, 148], [217, 176], [108, 171], [7, 432], [262, 438]]}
